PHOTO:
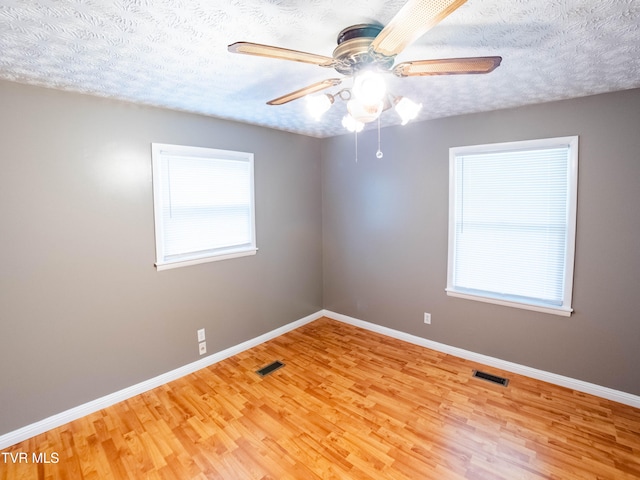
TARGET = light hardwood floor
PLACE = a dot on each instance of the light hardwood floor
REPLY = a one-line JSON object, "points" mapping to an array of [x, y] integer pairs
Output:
{"points": [[349, 404]]}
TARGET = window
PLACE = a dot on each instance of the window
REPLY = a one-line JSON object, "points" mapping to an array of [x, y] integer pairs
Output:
{"points": [[203, 205], [512, 217]]}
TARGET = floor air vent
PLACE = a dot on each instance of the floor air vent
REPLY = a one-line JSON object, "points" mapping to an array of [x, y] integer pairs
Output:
{"points": [[272, 367], [491, 378]]}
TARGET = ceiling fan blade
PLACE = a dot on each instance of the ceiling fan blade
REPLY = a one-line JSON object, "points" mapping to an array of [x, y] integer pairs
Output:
{"points": [[447, 66], [316, 87], [269, 51], [413, 20]]}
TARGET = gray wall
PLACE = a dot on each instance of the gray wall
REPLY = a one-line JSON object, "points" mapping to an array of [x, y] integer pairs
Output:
{"points": [[385, 238], [83, 312]]}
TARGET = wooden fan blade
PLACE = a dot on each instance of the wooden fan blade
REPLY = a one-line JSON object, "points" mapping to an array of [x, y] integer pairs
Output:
{"points": [[316, 87], [269, 51], [447, 66], [413, 20]]}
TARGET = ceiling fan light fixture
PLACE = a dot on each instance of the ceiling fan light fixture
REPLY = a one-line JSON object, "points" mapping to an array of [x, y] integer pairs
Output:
{"points": [[407, 109], [317, 105], [366, 52], [369, 88]]}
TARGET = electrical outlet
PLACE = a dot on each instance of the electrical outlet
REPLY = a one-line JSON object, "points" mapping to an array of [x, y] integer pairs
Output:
{"points": [[202, 348], [201, 336], [427, 318]]}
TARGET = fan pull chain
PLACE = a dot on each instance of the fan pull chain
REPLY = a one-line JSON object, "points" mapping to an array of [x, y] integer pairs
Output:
{"points": [[356, 138], [379, 153]]}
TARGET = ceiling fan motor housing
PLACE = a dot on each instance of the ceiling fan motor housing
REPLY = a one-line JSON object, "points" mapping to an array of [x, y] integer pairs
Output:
{"points": [[353, 53]]}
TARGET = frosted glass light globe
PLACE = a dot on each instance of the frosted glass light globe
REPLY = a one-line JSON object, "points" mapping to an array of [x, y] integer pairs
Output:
{"points": [[407, 109], [318, 104], [364, 113], [352, 124], [369, 88]]}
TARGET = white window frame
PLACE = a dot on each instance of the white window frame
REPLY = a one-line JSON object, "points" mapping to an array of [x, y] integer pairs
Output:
{"points": [[571, 143], [160, 153]]}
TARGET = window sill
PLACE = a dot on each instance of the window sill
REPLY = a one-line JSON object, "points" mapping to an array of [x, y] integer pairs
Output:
{"points": [[167, 265], [562, 311]]}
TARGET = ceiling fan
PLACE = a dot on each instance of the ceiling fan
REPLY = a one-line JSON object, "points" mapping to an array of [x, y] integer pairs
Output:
{"points": [[365, 51]]}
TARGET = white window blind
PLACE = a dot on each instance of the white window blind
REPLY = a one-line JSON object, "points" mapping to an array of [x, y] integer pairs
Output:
{"points": [[203, 203], [512, 223]]}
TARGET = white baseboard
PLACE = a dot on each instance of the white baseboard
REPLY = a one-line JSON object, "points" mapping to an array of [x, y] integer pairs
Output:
{"points": [[80, 411], [572, 383]]}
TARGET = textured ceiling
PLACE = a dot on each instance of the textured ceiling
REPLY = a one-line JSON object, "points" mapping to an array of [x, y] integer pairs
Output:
{"points": [[173, 53]]}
